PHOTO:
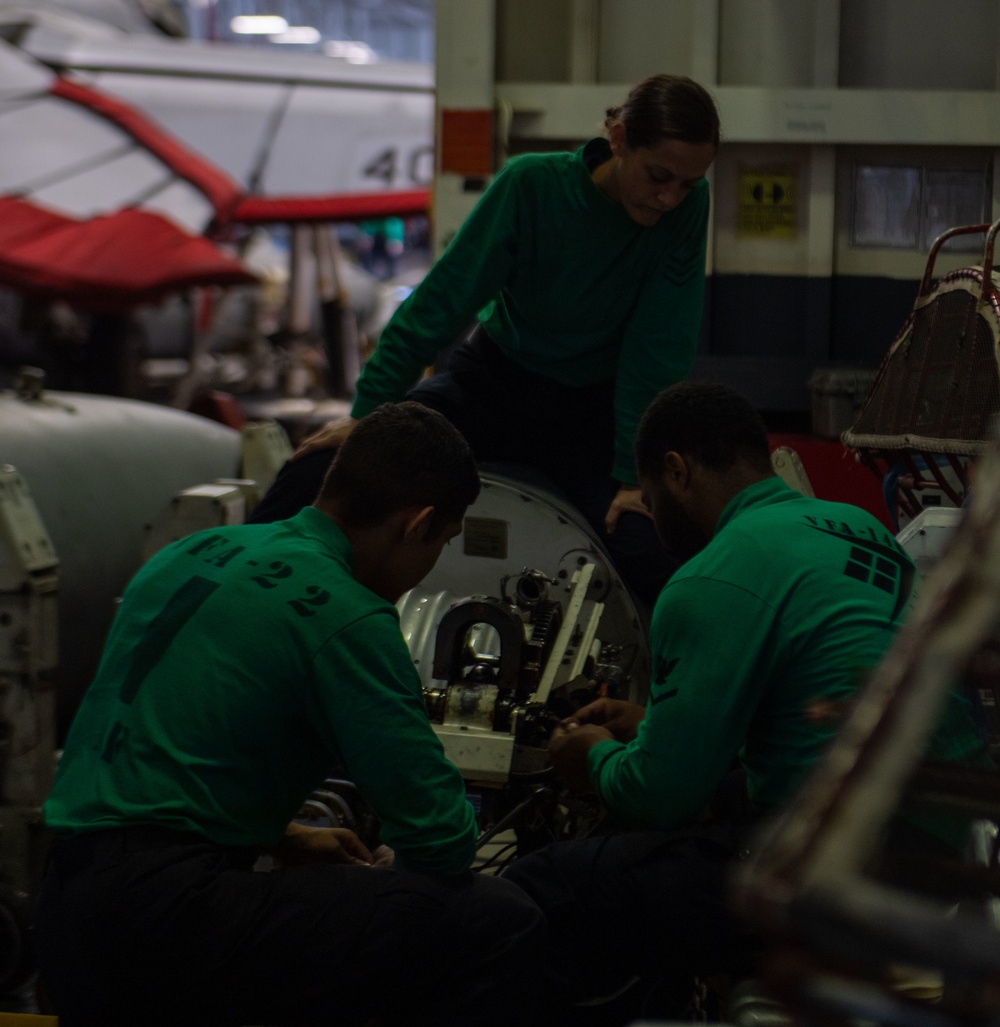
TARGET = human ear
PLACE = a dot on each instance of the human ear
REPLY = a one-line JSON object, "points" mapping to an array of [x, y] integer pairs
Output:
{"points": [[417, 526], [675, 468], [617, 138]]}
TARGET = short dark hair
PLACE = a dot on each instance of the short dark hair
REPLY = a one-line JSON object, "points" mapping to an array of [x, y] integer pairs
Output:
{"points": [[667, 107], [708, 422], [401, 455]]}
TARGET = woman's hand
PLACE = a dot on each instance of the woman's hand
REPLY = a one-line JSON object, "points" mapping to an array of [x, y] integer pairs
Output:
{"points": [[330, 436], [628, 500]]}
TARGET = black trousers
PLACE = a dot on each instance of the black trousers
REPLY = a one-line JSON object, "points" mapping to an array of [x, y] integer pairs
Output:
{"points": [[653, 907], [139, 926], [646, 905], [510, 415]]}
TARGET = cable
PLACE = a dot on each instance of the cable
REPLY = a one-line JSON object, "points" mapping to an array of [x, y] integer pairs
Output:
{"points": [[504, 822], [492, 861]]}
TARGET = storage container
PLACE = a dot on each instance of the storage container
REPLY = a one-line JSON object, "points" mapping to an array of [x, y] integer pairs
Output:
{"points": [[838, 393]]}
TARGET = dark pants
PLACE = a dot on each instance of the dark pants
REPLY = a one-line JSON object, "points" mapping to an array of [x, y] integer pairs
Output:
{"points": [[135, 928], [644, 904], [510, 415]]}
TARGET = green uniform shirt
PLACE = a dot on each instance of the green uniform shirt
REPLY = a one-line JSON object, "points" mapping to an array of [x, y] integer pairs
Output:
{"points": [[793, 600], [244, 665], [566, 284]]}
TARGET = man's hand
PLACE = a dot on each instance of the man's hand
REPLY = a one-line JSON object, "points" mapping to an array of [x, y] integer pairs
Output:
{"points": [[568, 748], [330, 436], [621, 719], [627, 500], [305, 844], [384, 856]]}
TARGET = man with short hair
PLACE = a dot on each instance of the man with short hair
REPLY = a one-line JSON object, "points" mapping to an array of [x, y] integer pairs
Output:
{"points": [[780, 606], [243, 666]]}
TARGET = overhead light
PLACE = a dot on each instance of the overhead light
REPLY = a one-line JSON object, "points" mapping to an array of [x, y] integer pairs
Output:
{"points": [[258, 25], [351, 50], [297, 34]]}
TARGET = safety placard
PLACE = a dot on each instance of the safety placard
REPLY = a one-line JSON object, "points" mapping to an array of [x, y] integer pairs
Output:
{"points": [[767, 202], [466, 141]]}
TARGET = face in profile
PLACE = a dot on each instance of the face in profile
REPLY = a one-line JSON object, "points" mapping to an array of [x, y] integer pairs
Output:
{"points": [[678, 531], [416, 559], [433, 547]]}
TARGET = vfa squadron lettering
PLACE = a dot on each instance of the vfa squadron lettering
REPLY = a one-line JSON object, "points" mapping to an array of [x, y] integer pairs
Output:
{"points": [[873, 558]]}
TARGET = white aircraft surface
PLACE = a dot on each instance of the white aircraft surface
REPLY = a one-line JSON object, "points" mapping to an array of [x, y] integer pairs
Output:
{"points": [[98, 122]]}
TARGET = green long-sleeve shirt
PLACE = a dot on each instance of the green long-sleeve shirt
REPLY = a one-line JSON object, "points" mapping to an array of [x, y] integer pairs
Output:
{"points": [[244, 666], [793, 600], [566, 284]]}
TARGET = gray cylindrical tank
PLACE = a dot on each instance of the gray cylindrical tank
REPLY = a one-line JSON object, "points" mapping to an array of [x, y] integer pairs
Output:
{"points": [[513, 526], [99, 468]]}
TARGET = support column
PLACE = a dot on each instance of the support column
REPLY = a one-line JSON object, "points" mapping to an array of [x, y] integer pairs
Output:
{"points": [[466, 46]]}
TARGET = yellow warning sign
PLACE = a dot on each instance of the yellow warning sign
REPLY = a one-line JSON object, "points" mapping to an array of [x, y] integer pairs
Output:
{"points": [[767, 202]]}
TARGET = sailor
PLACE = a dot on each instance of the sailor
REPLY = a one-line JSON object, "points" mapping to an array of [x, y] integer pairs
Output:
{"points": [[583, 274], [760, 637], [245, 665]]}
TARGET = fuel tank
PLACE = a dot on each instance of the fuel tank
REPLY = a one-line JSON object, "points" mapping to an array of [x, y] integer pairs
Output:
{"points": [[99, 468]]}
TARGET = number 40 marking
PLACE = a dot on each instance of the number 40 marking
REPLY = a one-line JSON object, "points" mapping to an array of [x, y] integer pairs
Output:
{"points": [[385, 165]]}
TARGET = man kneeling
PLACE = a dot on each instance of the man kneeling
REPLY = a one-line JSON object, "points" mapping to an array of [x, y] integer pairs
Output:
{"points": [[243, 666]]}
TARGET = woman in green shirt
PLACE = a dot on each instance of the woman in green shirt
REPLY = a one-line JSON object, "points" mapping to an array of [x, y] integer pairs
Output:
{"points": [[584, 275]]}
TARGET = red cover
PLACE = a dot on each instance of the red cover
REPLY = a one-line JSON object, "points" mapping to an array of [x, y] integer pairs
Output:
{"points": [[106, 263]]}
